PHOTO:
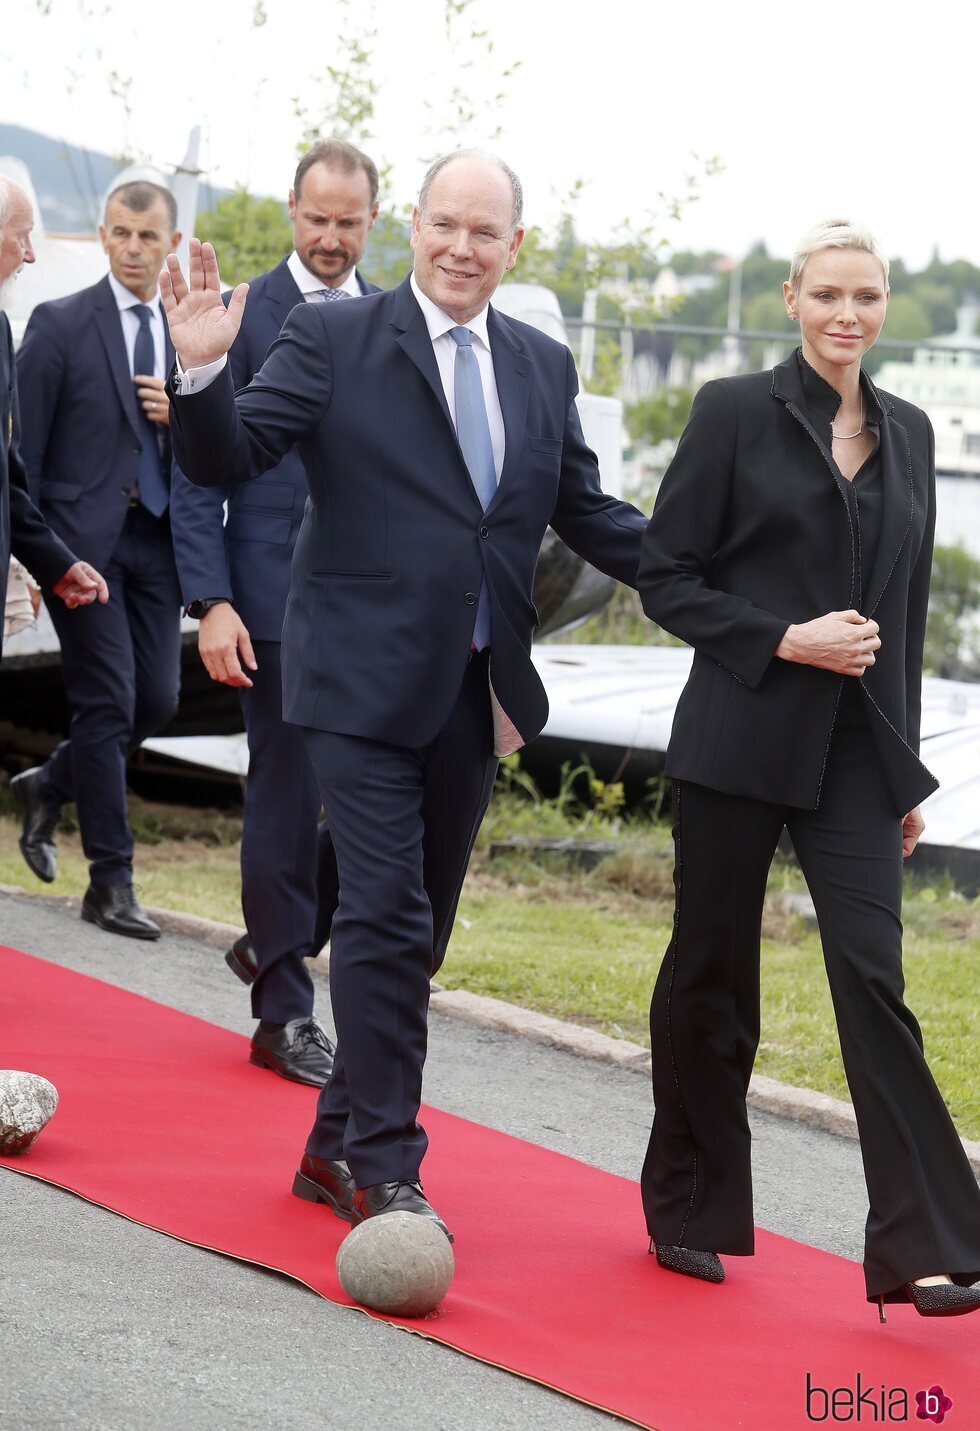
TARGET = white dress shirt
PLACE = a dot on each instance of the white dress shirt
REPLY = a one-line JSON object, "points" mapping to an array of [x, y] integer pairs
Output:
{"points": [[126, 302], [444, 348], [310, 285]]}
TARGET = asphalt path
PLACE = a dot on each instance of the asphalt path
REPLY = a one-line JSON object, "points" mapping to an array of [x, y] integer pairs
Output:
{"points": [[107, 1326]]}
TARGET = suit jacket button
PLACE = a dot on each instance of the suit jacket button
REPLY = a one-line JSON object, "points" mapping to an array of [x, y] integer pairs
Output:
{"points": [[470, 598], [484, 531]]}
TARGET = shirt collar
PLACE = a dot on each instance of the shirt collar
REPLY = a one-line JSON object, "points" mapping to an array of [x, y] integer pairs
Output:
{"points": [[125, 299], [308, 282], [824, 399], [440, 323]]}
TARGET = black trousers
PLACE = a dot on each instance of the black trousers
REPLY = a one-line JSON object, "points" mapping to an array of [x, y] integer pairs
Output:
{"points": [[704, 1020], [289, 871], [121, 668], [403, 822]]}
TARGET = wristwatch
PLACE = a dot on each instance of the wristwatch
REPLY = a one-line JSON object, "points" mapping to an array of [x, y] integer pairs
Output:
{"points": [[197, 609]]}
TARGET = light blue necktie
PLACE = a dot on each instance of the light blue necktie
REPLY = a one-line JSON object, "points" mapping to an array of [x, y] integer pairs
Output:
{"points": [[473, 432], [326, 295]]}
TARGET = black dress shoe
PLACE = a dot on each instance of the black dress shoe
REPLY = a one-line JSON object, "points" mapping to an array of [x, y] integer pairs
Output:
{"points": [[323, 1180], [395, 1197], [299, 1051], [40, 822], [691, 1261], [241, 960], [115, 907], [938, 1299]]}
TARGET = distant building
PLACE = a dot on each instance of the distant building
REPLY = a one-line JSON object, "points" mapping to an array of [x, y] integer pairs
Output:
{"points": [[944, 379]]}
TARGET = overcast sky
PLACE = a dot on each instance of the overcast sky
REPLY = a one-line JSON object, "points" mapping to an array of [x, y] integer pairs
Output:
{"points": [[842, 109]]}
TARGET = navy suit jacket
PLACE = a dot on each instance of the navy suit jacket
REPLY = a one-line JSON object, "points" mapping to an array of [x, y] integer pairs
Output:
{"points": [[246, 559], [22, 528], [80, 432], [394, 543]]}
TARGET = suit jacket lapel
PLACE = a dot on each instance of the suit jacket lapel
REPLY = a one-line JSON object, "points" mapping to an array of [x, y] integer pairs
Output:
{"points": [[109, 324], [896, 517], [413, 339], [512, 373], [282, 292]]}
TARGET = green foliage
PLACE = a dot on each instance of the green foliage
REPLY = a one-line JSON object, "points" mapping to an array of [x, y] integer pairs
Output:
{"points": [[659, 417], [250, 235], [952, 647], [621, 622]]}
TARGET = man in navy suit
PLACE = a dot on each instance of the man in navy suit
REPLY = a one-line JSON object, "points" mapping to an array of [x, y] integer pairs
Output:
{"points": [[234, 577], [440, 439], [22, 528], [95, 443]]}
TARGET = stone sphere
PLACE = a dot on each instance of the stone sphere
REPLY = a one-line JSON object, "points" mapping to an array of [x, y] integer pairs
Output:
{"points": [[398, 1263], [27, 1102]]}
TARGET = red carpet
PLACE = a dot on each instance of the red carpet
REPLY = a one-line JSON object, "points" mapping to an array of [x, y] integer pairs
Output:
{"points": [[163, 1120]]}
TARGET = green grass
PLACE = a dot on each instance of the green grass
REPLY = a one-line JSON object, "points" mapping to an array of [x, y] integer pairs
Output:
{"points": [[587, 946]]}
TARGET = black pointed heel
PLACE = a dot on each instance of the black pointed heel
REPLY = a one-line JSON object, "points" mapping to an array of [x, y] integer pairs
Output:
{"points": [[942, 1299], [690, 1261]]}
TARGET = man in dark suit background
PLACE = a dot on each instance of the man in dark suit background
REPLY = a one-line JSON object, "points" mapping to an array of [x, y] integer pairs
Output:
{"points": [[23, 530], [440, 439], [95, 444], [234, 578]]}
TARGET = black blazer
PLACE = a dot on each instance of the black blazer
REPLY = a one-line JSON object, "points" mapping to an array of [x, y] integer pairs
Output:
{"points": [[248, 557], [395, 544], [81, 433], [752, 532], [22, 528]]}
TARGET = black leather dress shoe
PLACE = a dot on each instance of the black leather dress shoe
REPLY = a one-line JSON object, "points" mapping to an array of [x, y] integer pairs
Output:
{"points": [[299, 1051], [690, 1261], [395, 1197], [115, 907], [241, 960], [322, 1180], [40, 822]]}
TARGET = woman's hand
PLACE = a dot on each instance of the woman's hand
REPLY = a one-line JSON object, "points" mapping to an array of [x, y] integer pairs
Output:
{"points": [[912, 827], [841, 641]]}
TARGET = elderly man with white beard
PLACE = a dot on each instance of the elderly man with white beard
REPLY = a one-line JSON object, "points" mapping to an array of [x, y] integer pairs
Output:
{"points": [[23, 531]]}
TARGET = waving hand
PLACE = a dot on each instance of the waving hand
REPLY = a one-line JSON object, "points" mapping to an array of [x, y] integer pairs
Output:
{"points": [[202, 329]]}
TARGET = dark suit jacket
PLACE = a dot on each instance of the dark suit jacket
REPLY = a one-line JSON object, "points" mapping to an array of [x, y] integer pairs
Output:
{"points": [[22, 528], [751, 533], [394, 544], [80, 427], [248, 557]]}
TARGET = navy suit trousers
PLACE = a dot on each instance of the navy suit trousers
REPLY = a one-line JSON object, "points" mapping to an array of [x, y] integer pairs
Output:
{"points": [[403, 822], [289, 872], [121, 667], [704, 1024]]}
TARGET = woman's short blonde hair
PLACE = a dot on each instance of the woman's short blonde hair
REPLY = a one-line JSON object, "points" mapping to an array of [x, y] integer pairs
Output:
{"points": [[834, 233]]}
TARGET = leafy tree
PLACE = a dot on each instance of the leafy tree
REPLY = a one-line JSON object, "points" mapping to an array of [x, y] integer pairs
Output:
{"points": [[249, 234], [952, 646], [660, 416], [907, 318]]}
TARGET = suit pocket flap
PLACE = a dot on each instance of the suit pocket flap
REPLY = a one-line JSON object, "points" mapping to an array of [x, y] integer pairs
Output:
{"points": [[270, 496], [545, 444]]}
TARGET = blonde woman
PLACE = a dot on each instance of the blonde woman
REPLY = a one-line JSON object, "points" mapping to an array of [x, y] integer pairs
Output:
{"points": [[791, 546]]}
